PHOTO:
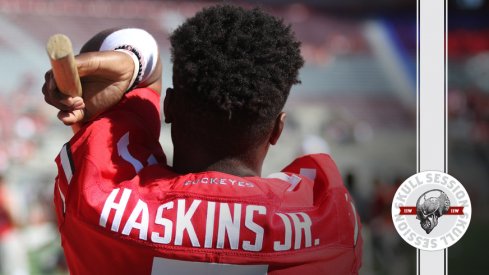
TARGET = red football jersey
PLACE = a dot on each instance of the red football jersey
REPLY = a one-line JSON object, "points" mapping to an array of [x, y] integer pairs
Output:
{"points": [[122, 210]]}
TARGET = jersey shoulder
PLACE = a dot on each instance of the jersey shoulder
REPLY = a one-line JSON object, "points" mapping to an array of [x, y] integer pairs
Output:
{"points": [[138, 111], [318, 172], [319, 176]]}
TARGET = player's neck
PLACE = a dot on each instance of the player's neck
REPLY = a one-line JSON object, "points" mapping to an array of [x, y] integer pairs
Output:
{"points": [[242, 166]]}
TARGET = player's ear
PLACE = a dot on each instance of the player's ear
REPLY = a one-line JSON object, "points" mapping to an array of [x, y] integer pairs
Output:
{"points": [[278, 126], [167, 110]]}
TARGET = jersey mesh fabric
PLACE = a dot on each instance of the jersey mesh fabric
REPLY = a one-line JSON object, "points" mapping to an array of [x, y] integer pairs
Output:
{"points": [[122, 210]]}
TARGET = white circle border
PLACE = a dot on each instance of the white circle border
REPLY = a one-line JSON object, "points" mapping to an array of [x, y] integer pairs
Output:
{"points": [[441, 243]]}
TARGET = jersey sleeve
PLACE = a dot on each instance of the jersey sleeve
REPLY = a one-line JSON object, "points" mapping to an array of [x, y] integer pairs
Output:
{"points": [[112, 148], [329, 194]]}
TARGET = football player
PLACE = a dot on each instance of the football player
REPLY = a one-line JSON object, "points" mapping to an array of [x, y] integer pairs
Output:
{"points": [[123, 210]]}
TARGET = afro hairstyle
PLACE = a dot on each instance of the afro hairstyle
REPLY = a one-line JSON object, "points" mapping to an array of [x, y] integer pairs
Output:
{"points": [[234, 68]]}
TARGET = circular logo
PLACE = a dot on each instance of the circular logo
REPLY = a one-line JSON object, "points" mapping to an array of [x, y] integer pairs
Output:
{"points": [[431, 210]]}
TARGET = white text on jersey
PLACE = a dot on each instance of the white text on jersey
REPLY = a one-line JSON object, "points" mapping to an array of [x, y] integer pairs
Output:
{"points": [[205, 224]]}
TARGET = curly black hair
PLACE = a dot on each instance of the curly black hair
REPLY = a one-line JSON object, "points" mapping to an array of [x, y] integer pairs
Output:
{"points": [[235, 66]]}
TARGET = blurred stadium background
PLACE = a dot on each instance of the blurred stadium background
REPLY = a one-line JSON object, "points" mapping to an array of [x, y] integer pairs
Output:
{"points": [[356, 102]]}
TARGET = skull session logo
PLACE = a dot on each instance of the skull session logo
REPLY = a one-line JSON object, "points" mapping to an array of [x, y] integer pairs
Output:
{"points": [[431, 210], [428, 210]]}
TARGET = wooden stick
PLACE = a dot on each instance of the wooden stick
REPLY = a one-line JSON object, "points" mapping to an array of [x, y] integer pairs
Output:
{"points": [[60, 52]]}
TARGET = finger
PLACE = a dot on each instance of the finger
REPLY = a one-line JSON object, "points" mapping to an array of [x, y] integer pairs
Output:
{"points": [[73, 103], [78, 104], [48, 96], [52, 91], [70, 118], [48, 78], [53, 98], [49, 87], [48, 74], [50, 84], [44, 88]]}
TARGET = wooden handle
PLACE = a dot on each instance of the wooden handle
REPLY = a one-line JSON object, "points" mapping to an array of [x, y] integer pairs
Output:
{"points": [[60, 52]]}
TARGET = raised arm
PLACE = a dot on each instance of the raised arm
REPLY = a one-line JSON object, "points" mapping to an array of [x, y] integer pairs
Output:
{"points": [[110, 64]]}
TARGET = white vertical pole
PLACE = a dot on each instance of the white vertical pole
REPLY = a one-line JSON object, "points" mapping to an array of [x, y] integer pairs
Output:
{"points": [[431, 106]]}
